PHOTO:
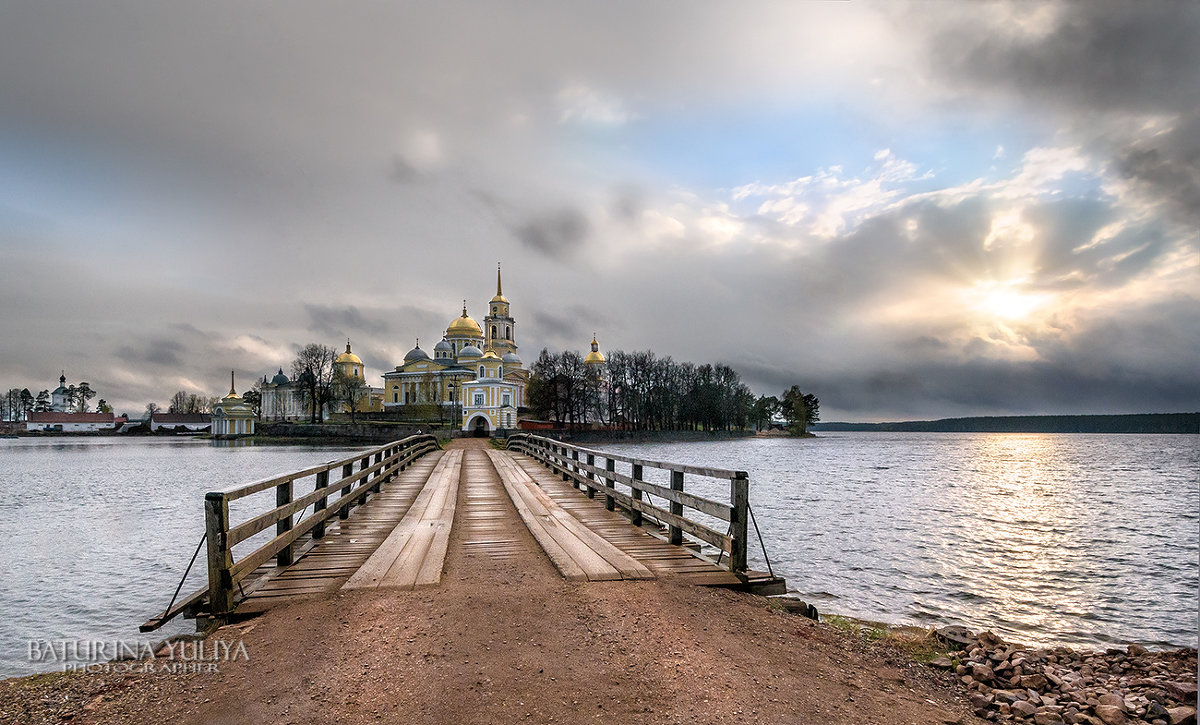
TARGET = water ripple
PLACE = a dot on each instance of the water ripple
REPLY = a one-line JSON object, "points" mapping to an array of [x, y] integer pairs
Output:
{"points": [[1047, 539]]}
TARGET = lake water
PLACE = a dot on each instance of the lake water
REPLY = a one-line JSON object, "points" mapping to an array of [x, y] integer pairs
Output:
{"points": [[1045, 539], [1076, 539], [96, 532]]}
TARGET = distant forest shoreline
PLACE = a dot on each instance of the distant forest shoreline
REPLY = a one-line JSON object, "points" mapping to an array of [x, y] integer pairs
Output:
{"points": [[1136, 423]]}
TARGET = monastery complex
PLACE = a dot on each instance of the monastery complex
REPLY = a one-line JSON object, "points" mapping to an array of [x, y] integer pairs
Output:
{"points": [[474, 375]]}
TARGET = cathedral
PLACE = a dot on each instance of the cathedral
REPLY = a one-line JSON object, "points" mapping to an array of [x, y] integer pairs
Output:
{"points": [[474, 377]]}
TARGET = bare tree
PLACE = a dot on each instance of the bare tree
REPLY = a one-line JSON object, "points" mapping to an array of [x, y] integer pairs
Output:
{"points": [[349, 389], [313, 368], [178, 402]]}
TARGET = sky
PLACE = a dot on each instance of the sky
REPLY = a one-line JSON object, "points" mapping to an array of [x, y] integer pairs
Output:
{"points": [[912, 210]]}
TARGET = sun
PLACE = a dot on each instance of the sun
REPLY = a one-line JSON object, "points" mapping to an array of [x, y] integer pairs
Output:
{"points": [[1005, 300]]}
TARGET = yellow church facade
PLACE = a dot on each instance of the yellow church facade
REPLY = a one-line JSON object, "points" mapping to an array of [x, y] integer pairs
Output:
{"points": [[474, 377]]}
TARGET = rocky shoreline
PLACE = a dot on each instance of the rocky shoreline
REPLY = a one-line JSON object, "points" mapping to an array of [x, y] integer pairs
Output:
{"points": [[1014, 683]]}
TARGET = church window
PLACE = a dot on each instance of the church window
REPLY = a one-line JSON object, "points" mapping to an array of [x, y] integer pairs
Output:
{"points": [[493, 332], [500, 372], [507, 332], [507, 400], [481, 371], [478, 400], [395, 397]]}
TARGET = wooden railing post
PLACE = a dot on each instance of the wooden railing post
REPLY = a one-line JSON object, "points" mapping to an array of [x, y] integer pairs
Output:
{"points": [[561, 460], [674, 533], [575, 465], [220, 559], [378, 460], [591, 461], [609, 502], [739, 496], [635, 516], [322, 482], [347, 471], [283, 496]]}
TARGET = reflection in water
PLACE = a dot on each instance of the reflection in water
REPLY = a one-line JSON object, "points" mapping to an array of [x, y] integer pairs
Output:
{"points": [[1081, 539]]}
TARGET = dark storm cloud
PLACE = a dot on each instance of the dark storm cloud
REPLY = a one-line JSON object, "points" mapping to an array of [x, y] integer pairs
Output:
{"points": [[567, 326], [1123, 61], [343, 321], [558, 233], [155, 352]]}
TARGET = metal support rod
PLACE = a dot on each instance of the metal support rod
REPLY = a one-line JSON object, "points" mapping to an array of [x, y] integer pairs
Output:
{"points": [[188, 570], [760, 541]]}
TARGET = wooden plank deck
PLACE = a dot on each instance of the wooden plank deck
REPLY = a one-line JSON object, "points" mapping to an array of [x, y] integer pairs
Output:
{"points": [[487, 528], [377, 545], [347, 544], [413, 555], [654, 553], [578, 553]]}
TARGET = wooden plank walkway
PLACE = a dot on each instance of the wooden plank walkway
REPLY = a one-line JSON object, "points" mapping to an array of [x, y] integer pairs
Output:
{"points": [[487, 528], [654, 553], [413, 555], [578, 553], [400, 536], [347, 544]]}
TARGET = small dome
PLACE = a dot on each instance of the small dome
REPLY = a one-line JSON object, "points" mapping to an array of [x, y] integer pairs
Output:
{"points": [[490, 354], [416, 354], [595, 357], [464, 326], [470, 351], [443, 346], [348, 357], [511, 357], [280, 378]]}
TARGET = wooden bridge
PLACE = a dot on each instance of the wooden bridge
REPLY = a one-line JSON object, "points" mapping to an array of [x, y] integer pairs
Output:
{"points": [[383, 519]]}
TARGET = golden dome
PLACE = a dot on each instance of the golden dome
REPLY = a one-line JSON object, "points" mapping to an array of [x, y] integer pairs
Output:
{"points": [[348, 357], [595, 357], [490, 354], [464, 326]]}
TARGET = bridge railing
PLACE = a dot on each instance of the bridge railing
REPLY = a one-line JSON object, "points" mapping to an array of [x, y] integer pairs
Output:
{"points": [[337, 487], [596, 472]]}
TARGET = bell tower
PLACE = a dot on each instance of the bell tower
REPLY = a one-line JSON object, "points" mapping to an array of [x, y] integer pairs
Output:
{"points": [[499, 328]]}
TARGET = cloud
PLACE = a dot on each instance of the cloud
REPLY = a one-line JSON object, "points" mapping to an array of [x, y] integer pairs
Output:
{"points": [[558, 233], [925, 199], [342, 321], [580, 104], [1120, 76]]}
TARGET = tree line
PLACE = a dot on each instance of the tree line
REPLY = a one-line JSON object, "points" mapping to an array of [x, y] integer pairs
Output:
{"points": [[18, 403], [640, 391]]}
